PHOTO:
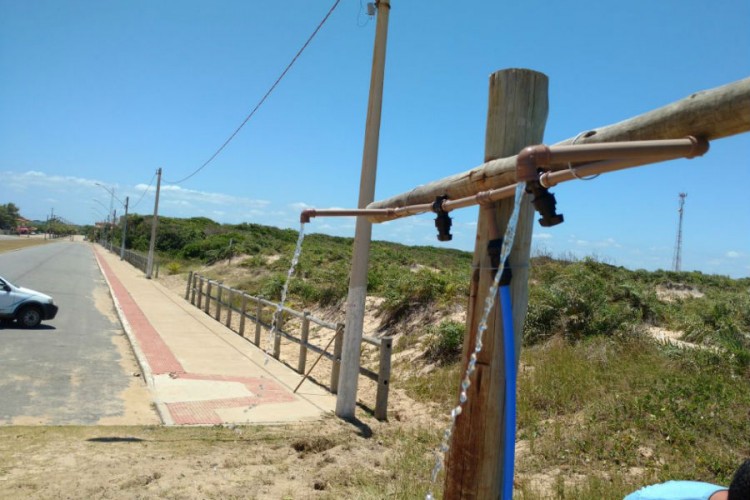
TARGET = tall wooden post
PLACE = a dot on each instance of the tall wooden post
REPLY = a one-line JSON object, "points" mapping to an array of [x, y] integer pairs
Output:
{"points": [[516, 118]]}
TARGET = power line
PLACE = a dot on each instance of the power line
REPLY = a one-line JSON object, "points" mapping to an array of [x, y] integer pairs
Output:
{"points": [[143, 193], [263, 99]]}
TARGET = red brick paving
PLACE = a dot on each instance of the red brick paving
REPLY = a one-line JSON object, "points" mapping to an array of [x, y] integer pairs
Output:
{"points": [[160, 358], [161, 361]]}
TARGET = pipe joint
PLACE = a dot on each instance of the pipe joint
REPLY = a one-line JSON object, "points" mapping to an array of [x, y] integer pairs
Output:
{"points": [[529, 160], [699, 146], [306, 215]]}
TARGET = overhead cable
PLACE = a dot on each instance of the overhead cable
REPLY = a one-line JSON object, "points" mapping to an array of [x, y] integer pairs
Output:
{"points": [[263, 99], [143, 193]]}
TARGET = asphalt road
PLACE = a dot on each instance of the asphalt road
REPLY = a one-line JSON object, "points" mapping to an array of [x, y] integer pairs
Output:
{"points": [[78, 367]]}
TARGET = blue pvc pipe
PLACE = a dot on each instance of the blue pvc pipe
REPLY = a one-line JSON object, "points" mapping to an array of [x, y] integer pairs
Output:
{"points": [[509, 348]]}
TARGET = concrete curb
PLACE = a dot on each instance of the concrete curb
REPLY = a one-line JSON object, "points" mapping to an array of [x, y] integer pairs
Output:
{"points": [[148, 376]]}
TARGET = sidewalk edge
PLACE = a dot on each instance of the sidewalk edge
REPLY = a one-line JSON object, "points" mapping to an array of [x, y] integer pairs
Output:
{"points": [[148, 376]]}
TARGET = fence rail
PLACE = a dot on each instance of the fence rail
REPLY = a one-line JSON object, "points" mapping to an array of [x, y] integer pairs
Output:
{"points": [[136, 259], [221, 303]]}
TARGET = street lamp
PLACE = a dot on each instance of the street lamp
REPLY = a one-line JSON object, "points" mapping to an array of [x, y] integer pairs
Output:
{"points": [[125, 219]]}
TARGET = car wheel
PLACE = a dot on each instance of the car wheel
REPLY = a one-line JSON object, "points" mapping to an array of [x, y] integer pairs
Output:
{"points": [[29, 317]]}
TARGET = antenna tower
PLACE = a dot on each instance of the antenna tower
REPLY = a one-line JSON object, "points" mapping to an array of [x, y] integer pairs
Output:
{"points": [[677, 260]]}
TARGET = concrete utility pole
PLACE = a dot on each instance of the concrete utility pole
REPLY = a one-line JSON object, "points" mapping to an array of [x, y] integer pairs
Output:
{"points": [[154, 223], [124, 229], [516, 117], [355, 304]]}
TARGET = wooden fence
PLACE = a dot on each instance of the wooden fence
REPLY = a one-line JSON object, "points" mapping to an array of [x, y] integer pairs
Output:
{"points": [[222, 302], [136, 259]]}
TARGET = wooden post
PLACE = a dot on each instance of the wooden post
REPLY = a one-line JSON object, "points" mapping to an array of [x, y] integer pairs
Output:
{"points": [[192, 289], [208, 297], [219, 288], [337, 348], [187, 288], [258, 313], [200, 292], [229, 308], [516, 117], [278, 324], [384, 378], [303, 343], [243, 313]]}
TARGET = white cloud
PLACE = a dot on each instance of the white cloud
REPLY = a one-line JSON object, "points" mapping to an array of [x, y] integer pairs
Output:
{"points": [[732, 254], [542, 236], [192, 195], [300, 206], [606, 243], [34, 179]]}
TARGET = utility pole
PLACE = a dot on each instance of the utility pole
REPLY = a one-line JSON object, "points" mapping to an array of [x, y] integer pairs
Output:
{"points": [[677, 259], [154, 222], [124, 229], [112, 229], [355, 304]]}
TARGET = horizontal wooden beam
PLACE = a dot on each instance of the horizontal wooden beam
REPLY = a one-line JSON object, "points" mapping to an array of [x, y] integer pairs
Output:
{"points": [[711, 114]]}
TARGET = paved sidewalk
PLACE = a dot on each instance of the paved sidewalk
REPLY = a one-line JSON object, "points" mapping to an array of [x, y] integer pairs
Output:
{"points": [[198, 370]]}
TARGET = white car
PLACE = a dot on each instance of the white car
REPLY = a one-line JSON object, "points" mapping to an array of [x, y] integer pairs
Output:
{"points": [[26, 306]]}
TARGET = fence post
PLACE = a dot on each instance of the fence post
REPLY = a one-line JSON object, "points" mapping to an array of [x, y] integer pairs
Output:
{"points": [[516, 116], [219, 289], [277, 337], [208, 297], [229, 308], [243, 311], [258, 314], [303, 342], [200, 292], [337, 347], [384, 378], [187, 288], [192, 289]]}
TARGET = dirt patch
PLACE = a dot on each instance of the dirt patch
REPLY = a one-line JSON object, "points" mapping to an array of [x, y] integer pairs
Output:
{"points": [[671, 292], [8, 245], [136, 397], [305, 461], [673, 338]]}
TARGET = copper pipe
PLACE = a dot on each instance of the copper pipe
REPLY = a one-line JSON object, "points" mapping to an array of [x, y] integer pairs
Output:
{"points": [[306, 215], [549, 179], [532, 158], [612, 157]]}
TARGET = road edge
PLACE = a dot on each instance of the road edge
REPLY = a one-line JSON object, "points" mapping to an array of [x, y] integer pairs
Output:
{"points": [[148, 376]]}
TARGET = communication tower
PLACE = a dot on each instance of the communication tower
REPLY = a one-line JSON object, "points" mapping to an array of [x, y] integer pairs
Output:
{"points": [[677, 260]]}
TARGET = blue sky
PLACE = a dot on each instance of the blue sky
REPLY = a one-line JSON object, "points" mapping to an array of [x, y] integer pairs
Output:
{"points": [[108, 92]]}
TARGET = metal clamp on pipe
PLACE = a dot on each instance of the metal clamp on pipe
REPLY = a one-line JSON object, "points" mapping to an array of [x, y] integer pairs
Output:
{"points": [[494, 248], [544, 202], [442, 221]]}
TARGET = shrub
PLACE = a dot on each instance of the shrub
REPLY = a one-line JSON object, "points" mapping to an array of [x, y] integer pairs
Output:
{"points": [[444, 342], [174, 267]]}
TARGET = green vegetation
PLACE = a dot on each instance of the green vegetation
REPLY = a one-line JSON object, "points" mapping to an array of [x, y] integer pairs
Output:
{"points": [[9, 214], [603, 408], [573, 299], [444, 341]]}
